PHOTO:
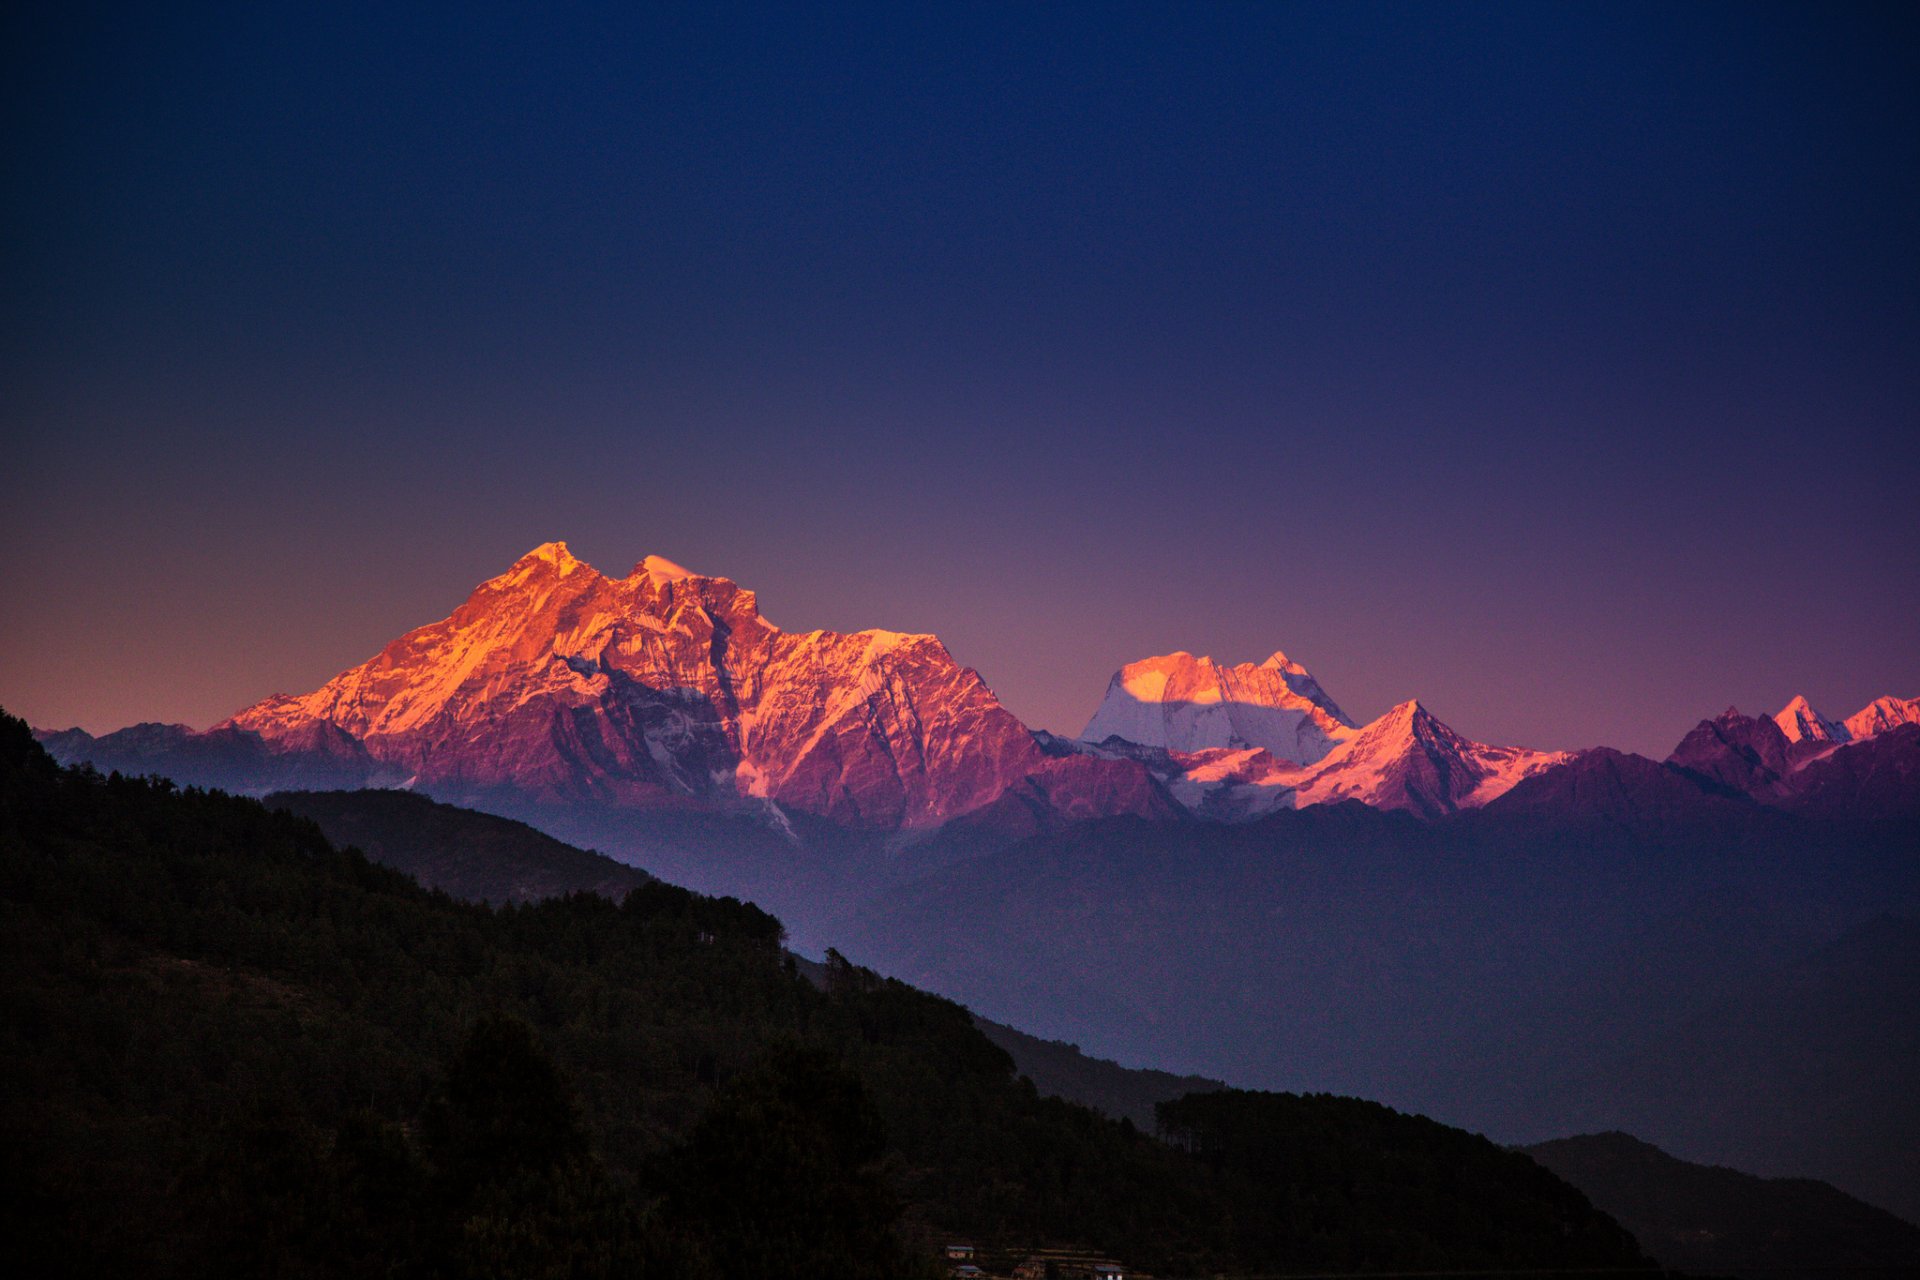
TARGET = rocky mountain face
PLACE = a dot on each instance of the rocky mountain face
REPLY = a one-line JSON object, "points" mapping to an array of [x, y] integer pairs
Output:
{"points": [[1866, 766], [1875, 779], [1408, 759], [1801, 723], [1748, 755], [555, 685], [668, 688]]}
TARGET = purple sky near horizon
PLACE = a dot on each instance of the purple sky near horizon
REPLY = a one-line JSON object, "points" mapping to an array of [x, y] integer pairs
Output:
{"points": [[1559, 366]]}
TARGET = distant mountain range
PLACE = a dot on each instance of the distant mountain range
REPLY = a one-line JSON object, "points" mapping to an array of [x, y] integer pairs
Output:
{"points": [[667, 691]]}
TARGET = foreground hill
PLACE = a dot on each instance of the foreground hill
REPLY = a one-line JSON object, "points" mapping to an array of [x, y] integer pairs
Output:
{"points": [[232, 1049], [1710, 1219]]}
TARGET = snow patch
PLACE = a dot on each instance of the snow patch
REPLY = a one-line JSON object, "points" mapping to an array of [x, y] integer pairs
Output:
{"points": [[661, 569]]}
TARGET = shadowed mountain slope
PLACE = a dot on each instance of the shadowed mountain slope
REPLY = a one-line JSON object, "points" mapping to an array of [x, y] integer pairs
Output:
{"points": [[1061, 1070], [1719, 1221], [1593, 951], [470, 855]]}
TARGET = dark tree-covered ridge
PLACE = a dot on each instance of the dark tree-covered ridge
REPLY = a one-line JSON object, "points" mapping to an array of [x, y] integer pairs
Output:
{"points": [[234, 1049]]}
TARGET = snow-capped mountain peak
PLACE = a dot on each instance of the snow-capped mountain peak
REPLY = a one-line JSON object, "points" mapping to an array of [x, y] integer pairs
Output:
{"points": [[1881, 715], [1409, 759], [1180, 702], [1406, 759], [547, 556], [560, 684], [1801, 723], [1279, 661]]}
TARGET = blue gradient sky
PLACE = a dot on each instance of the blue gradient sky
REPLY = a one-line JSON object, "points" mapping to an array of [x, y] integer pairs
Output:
{"points": [[1556, 364]]}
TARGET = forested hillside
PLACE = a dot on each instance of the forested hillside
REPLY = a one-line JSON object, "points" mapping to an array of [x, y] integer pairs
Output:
{"points": [[233, 1049]]}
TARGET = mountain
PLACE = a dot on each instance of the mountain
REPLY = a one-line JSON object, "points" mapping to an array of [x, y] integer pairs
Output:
{"points": [[1719, 1221], [556, 685], [475, 856], [1178, 702], [1746, 755], [1600, 791], [1876, 778], [661, 716], [1407, 759], [666, 687], [1801, 723], [1866, 776], [1881, 715]]}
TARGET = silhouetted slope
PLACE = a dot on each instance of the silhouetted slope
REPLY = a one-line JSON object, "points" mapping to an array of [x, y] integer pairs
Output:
{"points": [[1408, 1169], [1706, 1218], [233, 1049], [470, 855]]}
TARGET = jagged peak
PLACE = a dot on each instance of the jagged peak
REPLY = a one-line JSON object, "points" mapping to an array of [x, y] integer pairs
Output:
{"points": [[1800, 722], [548, 553], [548, 557], [1279, 661], [1409, 719]]}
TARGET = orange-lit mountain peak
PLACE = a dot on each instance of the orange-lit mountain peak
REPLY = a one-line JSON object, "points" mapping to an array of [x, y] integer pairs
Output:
{"points": [[1183, 703], [667, 687], [548, 553]]}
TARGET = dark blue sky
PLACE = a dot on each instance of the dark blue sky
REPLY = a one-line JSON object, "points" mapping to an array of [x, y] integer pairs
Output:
{"points": [[1556, 364]]}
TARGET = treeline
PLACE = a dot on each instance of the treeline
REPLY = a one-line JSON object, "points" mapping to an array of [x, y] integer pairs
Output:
{"points": [[230, 1048]]}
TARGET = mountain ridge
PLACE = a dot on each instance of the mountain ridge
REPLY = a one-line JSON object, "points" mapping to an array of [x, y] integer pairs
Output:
{"points": [[666, 691]]}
